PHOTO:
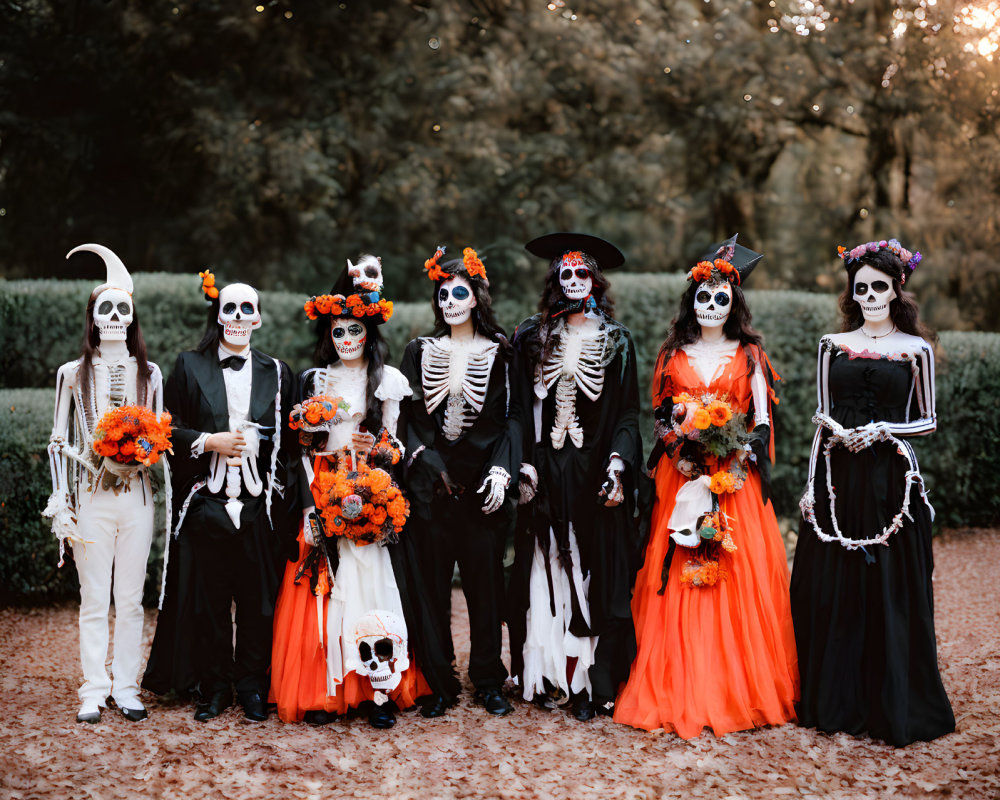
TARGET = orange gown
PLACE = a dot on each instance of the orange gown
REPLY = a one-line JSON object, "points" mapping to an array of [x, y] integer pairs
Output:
{"points": [[720, 656], [298, 660]]}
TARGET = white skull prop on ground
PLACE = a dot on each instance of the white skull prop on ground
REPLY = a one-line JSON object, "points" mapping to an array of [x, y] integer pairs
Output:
{"points": [[381, 640], [113, 310], [239, 313], [574, 276], [367, 273], [456, 298], [712, 304], [873, 291], [349, 337]]}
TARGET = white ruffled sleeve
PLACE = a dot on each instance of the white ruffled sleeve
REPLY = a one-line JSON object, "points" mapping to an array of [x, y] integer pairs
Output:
{"points": [[394, 385]]}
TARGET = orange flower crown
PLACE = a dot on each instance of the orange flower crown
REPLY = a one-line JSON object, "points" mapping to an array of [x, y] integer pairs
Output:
{"points": [[208, 284], [471, 262], [714, 272], [360, 305]]}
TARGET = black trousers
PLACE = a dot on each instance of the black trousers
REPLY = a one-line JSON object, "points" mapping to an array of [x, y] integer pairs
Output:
{"points": [[458, 531], [234, 565]]}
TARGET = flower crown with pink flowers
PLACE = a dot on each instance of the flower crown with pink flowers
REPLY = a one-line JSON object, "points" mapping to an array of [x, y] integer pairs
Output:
{"points": [[909, 259]]}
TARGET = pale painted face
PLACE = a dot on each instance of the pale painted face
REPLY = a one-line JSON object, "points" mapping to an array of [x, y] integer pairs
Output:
{"points": [[712, 304], [113, 314], [873, 291], [574, 277], [349, 337], [456, 299], [239, 313]]}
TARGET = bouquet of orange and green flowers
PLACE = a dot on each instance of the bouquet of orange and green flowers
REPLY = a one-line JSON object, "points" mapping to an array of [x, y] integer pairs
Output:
{"points": [[711, 424], [312, 415], [132, 436]]}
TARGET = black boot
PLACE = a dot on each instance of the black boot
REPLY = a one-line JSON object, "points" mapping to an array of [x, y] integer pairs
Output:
{"points": [[583, 707], [381, 716]]}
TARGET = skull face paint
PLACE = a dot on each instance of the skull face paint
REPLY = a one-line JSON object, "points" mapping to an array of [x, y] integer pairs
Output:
{"points": [[712, 304], [349, 337], [456, 299], [382, 648], [239, 313], [367, 273], [113, 314], [574, 276], [873, 292]]}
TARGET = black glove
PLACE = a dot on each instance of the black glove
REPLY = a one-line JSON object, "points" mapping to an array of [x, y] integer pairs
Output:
{"points": [[760, 441]]}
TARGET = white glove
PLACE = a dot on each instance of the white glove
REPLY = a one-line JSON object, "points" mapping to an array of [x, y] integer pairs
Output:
{"points": [[527, 483], [615, 494], [310, 526], [497, 481]]}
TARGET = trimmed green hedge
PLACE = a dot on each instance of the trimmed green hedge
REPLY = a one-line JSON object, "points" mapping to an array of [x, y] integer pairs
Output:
{"points": [[956, 461]]}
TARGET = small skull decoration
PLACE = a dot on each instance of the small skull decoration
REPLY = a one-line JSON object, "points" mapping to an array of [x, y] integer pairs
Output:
{"points": [[712, 304], [456, 298], [113, 314], [575, 276], [367, 273], [349, 337], [351, 506], [239, 313], [873, 292], [382, 648]]}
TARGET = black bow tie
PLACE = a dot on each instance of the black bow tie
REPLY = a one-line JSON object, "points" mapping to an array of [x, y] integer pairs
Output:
{"points": [[232, 362]]}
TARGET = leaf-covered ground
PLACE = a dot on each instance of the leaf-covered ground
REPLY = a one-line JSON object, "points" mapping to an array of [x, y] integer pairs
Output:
{"points": [[530, 754]]}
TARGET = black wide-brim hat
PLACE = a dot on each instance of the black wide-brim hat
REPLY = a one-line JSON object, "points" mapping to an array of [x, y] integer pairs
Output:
{"points": [[742, 258], [552, 245]]}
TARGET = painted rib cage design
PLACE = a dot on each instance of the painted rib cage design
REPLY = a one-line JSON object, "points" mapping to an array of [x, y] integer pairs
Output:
{"points": [[461, 376]]}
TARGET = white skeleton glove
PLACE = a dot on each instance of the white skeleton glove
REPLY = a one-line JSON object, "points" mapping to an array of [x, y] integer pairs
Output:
{"points": [[612, 488], [860, 438], [527, 483], [497, 481], [311, 530]]}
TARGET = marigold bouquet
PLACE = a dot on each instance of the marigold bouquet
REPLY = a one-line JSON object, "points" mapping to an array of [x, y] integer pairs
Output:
{"points": [[703, 568], [711, 422], [132, 435], [360, 503], [313, 414]]}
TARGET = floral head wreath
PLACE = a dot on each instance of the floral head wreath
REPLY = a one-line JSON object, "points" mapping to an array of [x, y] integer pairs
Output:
{"points": [[909, 259], [715, 271], [208, 284], [362, 305], [471, 263]]}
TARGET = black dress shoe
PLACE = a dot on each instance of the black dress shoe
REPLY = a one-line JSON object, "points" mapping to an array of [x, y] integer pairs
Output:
{"points": [[217, 703], [318, 717], [435, 706], [253, 706], [131, 714], [93, 717], [493, 701], [381, 716], [583, 707]]}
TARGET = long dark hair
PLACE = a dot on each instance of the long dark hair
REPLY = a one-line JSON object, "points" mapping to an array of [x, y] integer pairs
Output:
{"points": [[684, 328], [134, 341], [903, 310], [376, 352], [484, 322], [552, 294]]}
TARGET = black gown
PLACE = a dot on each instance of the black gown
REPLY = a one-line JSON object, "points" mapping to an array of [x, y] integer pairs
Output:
{"points": [[864, 618], [448, 529], [569, 482]]}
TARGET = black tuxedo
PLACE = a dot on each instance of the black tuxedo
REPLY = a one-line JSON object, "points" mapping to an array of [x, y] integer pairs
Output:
{"points": [[212, 562]]}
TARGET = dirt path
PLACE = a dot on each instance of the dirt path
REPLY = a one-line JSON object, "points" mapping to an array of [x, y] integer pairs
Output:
{"points": [[530, 754]]}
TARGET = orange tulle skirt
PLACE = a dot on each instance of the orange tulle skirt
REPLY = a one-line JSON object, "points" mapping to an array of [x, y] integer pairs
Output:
{"points": [[298, 661], [722, 656]]}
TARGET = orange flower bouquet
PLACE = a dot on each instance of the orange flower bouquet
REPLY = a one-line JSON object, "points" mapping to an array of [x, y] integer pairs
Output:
{"points": [[132, 436], [312, 415]]}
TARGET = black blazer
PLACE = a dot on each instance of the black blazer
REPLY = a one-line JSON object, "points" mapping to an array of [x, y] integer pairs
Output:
{"points": [[195, 396]]}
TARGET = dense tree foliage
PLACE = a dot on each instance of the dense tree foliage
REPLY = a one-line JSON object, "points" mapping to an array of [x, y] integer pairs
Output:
{"points": [[272, 141]]}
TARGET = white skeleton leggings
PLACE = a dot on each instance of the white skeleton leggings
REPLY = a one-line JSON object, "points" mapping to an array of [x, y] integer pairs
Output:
{"points": [[118, 531]]}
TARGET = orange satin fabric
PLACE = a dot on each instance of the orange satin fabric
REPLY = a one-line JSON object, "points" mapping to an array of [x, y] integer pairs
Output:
{"points": [[298, 662], [721, 656]]}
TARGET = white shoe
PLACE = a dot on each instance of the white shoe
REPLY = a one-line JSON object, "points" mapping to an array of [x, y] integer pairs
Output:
{"points": [[90, 712], [131, 708]]}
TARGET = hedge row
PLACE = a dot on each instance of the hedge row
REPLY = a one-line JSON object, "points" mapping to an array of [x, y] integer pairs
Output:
{"points": [[40, 323]]}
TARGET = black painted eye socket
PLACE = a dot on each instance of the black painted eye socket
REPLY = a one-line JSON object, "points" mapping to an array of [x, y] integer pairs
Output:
{"points": [[722, 299], [460, 293], [229, 308], [581, 272], [880, 286], [371, 271], [703, 296], [383, 649], [124, 309], [338, 333], [247, 308], [365, 651], [105, 307], [860, 288], [355, 329]]}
